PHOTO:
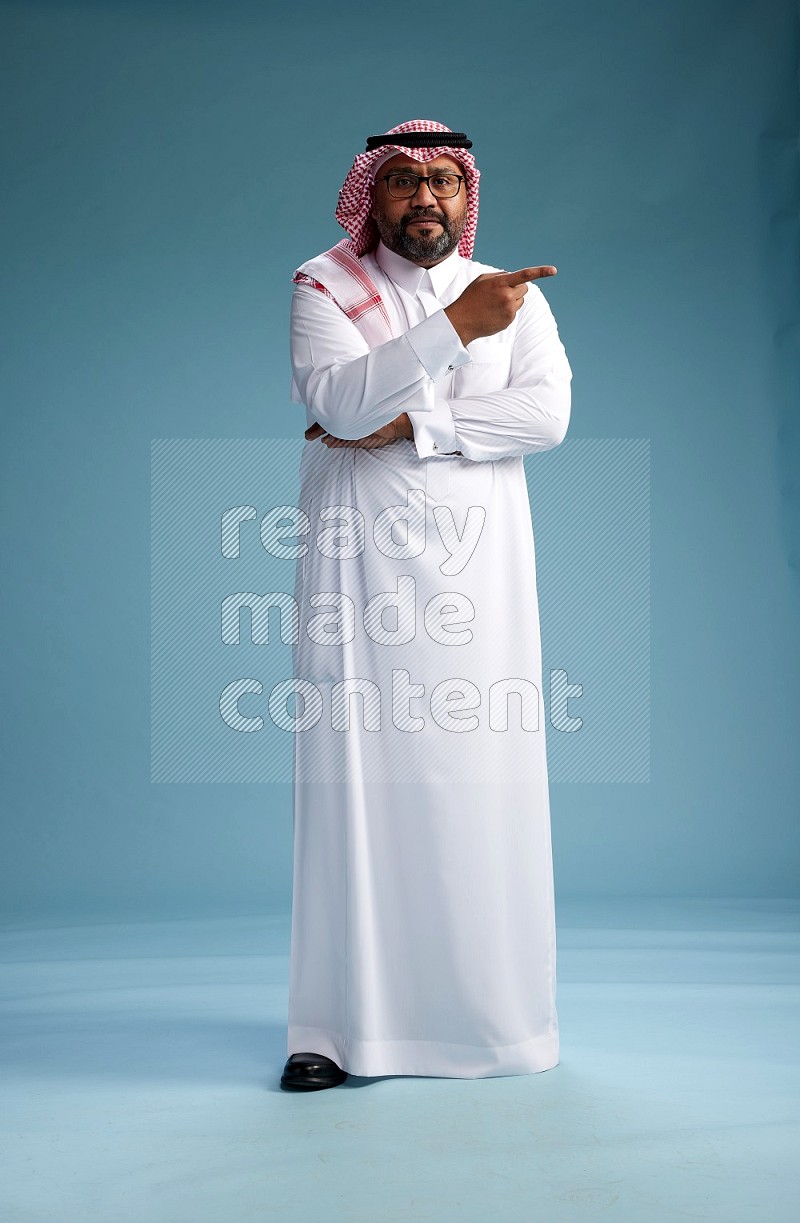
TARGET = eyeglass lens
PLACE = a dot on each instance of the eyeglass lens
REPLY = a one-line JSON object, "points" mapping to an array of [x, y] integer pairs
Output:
{"points": [[401, 186]]}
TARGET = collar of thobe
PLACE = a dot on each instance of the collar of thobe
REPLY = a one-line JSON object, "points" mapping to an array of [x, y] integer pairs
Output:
{"points": [[414, 279]]}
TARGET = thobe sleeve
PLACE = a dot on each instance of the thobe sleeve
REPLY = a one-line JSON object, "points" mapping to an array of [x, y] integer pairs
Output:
{"points": [[351, 389], [532, 412]]}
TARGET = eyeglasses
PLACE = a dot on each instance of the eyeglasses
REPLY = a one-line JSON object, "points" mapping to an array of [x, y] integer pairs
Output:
{"points": [[443, 185]]}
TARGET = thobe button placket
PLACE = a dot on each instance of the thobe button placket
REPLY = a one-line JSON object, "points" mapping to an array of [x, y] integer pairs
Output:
{"points": [[437, 475]]}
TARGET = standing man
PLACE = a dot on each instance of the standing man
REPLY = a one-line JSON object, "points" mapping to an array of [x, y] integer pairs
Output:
{"points": [[423, 921]]}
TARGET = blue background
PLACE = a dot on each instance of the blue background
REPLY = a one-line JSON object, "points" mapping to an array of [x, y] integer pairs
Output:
{"points": [[167, 166]]}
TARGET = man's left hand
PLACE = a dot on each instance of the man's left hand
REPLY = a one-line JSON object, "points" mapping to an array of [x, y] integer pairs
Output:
{"points": [[401, 427]]}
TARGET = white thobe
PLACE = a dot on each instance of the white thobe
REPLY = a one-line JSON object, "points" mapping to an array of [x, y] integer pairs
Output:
{"points": [[423, 921]]}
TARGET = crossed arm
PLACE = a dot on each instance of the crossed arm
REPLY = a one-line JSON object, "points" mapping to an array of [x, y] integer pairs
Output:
{"points": [[365, 397], [399, 427]]}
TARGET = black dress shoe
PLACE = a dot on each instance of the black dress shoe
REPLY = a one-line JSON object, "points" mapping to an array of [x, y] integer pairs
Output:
{"points": [[311, 1072]]}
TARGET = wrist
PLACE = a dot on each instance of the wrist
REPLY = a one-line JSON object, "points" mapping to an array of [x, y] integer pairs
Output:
{"points": [[459, 325]]}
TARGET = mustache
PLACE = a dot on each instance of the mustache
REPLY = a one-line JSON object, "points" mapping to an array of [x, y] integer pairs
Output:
{"points": [[424, 216]]}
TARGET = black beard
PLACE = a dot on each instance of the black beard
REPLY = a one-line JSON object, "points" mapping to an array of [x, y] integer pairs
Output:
{"points": [[424, 249]]}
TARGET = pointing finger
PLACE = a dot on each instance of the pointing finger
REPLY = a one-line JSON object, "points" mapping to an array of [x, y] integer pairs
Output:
{"points": [[525, 274]]}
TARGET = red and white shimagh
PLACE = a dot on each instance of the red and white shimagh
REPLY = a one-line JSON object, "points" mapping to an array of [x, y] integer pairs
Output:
{"points": [[355, 196]]}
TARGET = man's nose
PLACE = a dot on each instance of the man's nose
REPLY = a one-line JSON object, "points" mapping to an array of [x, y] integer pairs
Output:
{"points": [[428, 197]]}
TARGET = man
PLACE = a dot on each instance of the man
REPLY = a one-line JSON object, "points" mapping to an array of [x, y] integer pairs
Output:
{"points": [[423, 927]]}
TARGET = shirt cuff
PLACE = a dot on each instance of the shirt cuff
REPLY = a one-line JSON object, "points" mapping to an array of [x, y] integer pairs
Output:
{"points": [[437, 345], [434, 432]]}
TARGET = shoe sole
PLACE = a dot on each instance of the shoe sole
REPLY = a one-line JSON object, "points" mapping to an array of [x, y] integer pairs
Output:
{"points": [[295, 1085]]}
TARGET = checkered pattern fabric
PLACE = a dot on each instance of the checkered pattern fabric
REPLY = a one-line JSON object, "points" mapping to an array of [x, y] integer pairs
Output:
{"points": [[355, 197]]}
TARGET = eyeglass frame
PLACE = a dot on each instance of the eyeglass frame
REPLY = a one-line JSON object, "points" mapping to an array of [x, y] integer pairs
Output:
{"points": [[422, 178]]}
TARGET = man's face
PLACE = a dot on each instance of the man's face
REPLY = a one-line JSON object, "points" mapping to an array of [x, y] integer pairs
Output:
{"points": [[423, 229]]}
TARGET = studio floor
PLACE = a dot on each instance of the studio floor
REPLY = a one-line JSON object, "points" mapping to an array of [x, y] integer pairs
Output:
{"points": [[140, 1065]]}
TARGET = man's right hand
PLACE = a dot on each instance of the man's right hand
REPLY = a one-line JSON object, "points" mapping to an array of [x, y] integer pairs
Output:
{"points": [[490, 303]]}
